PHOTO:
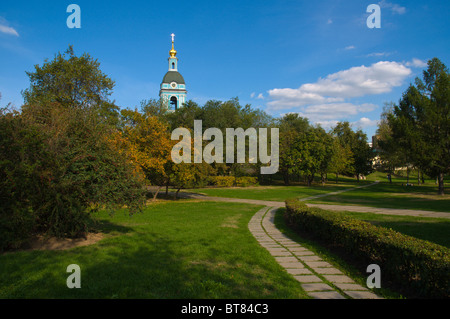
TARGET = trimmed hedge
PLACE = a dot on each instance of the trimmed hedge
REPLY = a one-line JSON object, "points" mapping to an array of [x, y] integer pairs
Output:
{"points": [[406, 261], [229, 181]]}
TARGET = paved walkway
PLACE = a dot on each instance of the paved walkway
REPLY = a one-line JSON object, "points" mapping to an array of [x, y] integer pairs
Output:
{"points": [[317, 277]]}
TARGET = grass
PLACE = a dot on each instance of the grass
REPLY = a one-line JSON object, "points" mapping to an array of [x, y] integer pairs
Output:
{"points": [[181, 249], [272, 193], [386, 195], [435, 230], [382, 195]]}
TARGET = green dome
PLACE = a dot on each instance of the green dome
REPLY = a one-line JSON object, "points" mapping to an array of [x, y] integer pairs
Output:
{"points": [[173, 76]]}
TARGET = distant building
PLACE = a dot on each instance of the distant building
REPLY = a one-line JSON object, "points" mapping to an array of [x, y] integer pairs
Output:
{"points": [[376, 160], [173, 88]]}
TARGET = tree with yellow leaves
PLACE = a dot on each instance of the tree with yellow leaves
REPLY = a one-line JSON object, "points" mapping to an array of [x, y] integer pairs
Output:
{"points": [[151, 145]]}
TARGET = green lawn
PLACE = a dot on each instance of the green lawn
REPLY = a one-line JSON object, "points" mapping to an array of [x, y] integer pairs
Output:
{"points": [[382, 195], [385, 195], [180, 249], [273, 193], [435, 230]]}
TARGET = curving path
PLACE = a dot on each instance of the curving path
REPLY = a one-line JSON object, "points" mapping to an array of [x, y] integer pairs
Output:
{"points": [[317, 277]]}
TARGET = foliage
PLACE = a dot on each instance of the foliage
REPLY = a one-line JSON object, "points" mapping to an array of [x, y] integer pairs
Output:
{"points": [[341, 158], [22, 155], [420, 123], [229, 181], [84, 170], [151, 144], [360, 150], [59, 160], [422, 265], [72, 81]]}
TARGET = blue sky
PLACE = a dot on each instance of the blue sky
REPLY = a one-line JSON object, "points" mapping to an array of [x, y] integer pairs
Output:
{"points": [[316, 58]]}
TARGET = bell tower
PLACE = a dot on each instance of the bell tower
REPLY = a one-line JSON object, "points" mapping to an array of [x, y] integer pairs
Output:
{"points": [[173, 88]]}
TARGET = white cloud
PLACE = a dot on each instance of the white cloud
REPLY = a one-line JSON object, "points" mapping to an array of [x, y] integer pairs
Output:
{"points": [[378, 78], [350, 47], [252, 95], [319, 113], [417, 63], [393, 7], [329, 21], [379, 54], [5, 29], [365, 122], [328, 100], [260, 96]]}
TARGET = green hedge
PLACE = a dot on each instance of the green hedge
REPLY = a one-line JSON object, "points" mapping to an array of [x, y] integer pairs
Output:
{"points": [[230, 181], [422, 266]]}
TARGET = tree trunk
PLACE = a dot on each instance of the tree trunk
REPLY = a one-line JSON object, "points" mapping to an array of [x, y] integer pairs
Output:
{"points": [[310, 179], [286, 179], [441, 183], [337, 177], [176, 193], [156, 193]]}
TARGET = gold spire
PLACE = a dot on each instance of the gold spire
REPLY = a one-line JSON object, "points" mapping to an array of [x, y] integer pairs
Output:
{"points": [[172, 52]]}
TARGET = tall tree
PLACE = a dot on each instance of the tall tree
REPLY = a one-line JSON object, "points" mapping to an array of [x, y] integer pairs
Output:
{"points": [[341, 158], [151, 145], [421, 121], [290, 126], [357, 142], [72, 81]]}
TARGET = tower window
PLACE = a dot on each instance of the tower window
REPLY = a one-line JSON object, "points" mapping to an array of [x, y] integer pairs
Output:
{"points": [[173, 65], [173, 103]]}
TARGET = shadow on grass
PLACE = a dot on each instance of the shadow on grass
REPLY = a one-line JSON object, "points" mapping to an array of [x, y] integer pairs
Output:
{"points": [[432, 230], [148, 261]]}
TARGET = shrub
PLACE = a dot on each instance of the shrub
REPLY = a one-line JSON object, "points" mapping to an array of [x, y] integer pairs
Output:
{"points": [[56, 169], [230, 181], [21, 150], [246, 181], [422, 265]]}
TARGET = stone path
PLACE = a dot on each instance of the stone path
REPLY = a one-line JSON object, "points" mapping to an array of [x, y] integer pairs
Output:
{"points": [[317, 277]]}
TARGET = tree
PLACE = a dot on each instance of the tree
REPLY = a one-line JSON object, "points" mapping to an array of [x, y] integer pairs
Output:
{"points": [[22, 168], [80, 169], [341, 158], [72, 81], [421, 121], [290, 126], [151, 145], [360, 149]]}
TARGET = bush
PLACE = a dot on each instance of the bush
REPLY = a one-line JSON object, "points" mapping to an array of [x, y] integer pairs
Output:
{"points": [[404, 260], [56, 169], [21, 150], [230, 181]]}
